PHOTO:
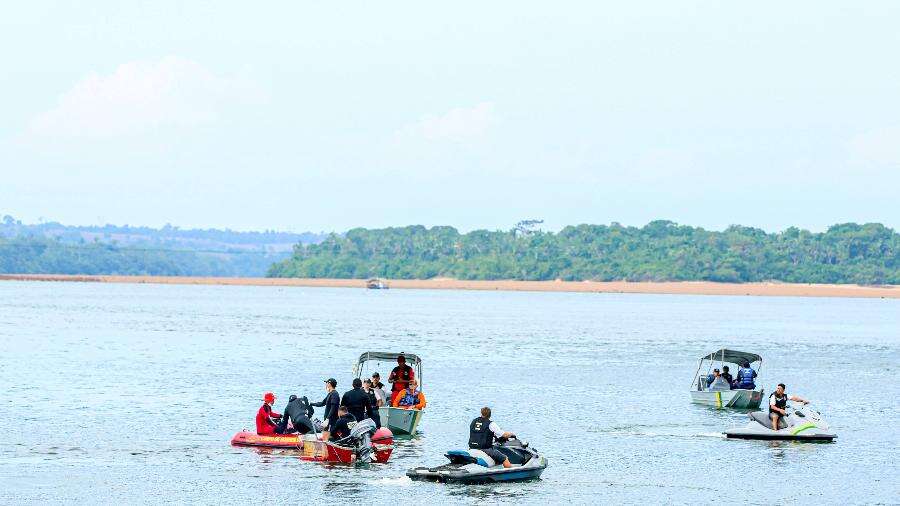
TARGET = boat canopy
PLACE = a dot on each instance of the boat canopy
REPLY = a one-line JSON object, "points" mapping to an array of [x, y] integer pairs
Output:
{"points": [[411, 358], [732, 356]]}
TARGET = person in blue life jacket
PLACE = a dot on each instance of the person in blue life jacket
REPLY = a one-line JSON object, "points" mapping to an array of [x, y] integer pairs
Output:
{"points": [[745, 377]]}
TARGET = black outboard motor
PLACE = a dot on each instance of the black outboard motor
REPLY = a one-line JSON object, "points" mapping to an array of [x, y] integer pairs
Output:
{"points": [[360, 438]]}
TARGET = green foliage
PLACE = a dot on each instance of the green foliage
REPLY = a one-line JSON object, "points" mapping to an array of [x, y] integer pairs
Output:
{"points": [[659, 251], [40, 255]]}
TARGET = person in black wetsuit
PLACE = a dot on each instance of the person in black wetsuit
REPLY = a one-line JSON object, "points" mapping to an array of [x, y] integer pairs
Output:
{"points": [[344, 424], [357, 401], [299, 412], [482, 432], [331, 402]]}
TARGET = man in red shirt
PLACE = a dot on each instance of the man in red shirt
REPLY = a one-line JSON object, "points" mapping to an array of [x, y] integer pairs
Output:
{"points": [[265, 417], [400, 376]]}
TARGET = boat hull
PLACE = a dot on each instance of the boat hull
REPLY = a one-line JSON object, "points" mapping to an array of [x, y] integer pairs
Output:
{"points": [[735, 399], [474, 474], [400, 421], [781, 437], [311, 448]]}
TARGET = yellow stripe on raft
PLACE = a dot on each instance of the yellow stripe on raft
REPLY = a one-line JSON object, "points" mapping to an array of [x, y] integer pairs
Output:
{"points": [[718, 399]]}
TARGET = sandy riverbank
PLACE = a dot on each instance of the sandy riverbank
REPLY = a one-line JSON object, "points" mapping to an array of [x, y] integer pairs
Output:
{"points": [[684, 287]]}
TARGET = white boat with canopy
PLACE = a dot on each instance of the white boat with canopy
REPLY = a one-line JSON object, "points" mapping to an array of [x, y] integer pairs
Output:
{"points": [[720, 394], [399, 420]]}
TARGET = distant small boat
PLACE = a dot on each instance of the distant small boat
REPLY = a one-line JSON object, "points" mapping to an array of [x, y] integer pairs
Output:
{"points": [[725, 397], [376, 284]]}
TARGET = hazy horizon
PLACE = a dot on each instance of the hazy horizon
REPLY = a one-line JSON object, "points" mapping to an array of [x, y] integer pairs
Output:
{"points": [[319, 117]]}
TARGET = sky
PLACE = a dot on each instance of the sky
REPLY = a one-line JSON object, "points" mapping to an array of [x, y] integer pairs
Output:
{"points": [[325, 116]]}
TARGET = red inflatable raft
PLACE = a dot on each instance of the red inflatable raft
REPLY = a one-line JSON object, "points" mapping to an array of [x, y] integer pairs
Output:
{"points": [[314, 450]]}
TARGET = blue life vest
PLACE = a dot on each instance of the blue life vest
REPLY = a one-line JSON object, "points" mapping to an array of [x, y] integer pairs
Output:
{"points": [[409, 399], [745, 377]]}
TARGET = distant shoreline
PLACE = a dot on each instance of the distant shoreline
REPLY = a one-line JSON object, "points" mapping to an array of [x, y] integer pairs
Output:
{"points": [[675, 287]]}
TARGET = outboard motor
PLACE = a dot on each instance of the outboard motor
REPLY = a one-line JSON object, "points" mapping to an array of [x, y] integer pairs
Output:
{"points": [[361, 437]]}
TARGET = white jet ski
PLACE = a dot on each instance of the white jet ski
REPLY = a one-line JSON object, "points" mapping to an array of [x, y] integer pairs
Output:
{"points": [[802, 423], [475, 466]]}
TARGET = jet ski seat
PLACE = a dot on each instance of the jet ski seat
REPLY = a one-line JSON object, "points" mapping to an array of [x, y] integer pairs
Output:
{"points": [[763, 418], [481, 458], [515, 456]]}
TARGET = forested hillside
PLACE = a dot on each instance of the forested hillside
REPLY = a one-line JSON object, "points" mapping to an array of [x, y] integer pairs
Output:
{"points": [[54, 248], [659, 251]]}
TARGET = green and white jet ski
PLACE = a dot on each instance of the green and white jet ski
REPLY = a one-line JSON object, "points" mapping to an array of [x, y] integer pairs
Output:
{"points": [[802, 423]]}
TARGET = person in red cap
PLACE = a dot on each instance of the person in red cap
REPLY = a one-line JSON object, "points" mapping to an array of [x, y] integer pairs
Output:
{"points": [[265, 417]]}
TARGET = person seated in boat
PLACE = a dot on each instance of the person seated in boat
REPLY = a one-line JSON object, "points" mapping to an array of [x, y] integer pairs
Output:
{"points": [[778, 404], [482, 432], [719, 383], [369, 389], [331, 402], [710, 378], [746, 377], [410, 397], [400, 376], [357, 401], [344, 424], [727, 376], [299, 413], [265, 417]]}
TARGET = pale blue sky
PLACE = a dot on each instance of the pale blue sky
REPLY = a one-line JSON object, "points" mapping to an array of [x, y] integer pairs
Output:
{"points": [[319, 116]]}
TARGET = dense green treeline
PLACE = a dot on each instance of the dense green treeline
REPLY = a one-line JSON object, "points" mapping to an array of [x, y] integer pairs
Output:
{"points": [[41, 255], [659, 251]]}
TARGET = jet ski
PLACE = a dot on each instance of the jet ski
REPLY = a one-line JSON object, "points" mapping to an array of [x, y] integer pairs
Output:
{"points": [[802, 423], [475, 466]]}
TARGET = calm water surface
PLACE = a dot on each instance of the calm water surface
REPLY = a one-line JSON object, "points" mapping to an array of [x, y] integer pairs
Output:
{"points": [[131, 393]]}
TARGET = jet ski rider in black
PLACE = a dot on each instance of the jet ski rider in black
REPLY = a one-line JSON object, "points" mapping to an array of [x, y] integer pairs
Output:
{"points": [[778, 404], [482, 432]]}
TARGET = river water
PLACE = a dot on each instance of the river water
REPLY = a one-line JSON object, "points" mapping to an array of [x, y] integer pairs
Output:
{"points": [[131, 393]]}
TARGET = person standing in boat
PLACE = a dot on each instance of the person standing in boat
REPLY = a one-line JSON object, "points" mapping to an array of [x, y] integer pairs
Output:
{"points": [[378, 388], [400, 376], [357, 401], [746, 377], [778, 404], [482, 432], [265, 417], [331, 402], [369, 389]]}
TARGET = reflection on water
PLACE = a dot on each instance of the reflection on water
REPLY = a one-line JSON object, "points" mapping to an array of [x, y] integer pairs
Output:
{"points": [[143, 387]]}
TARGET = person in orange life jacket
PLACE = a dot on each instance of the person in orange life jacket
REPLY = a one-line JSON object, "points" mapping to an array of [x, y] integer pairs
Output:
{"points": [[265, 417], [482, 432], [410, 397], [778, 404], [344, 424], [400, 376]]}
